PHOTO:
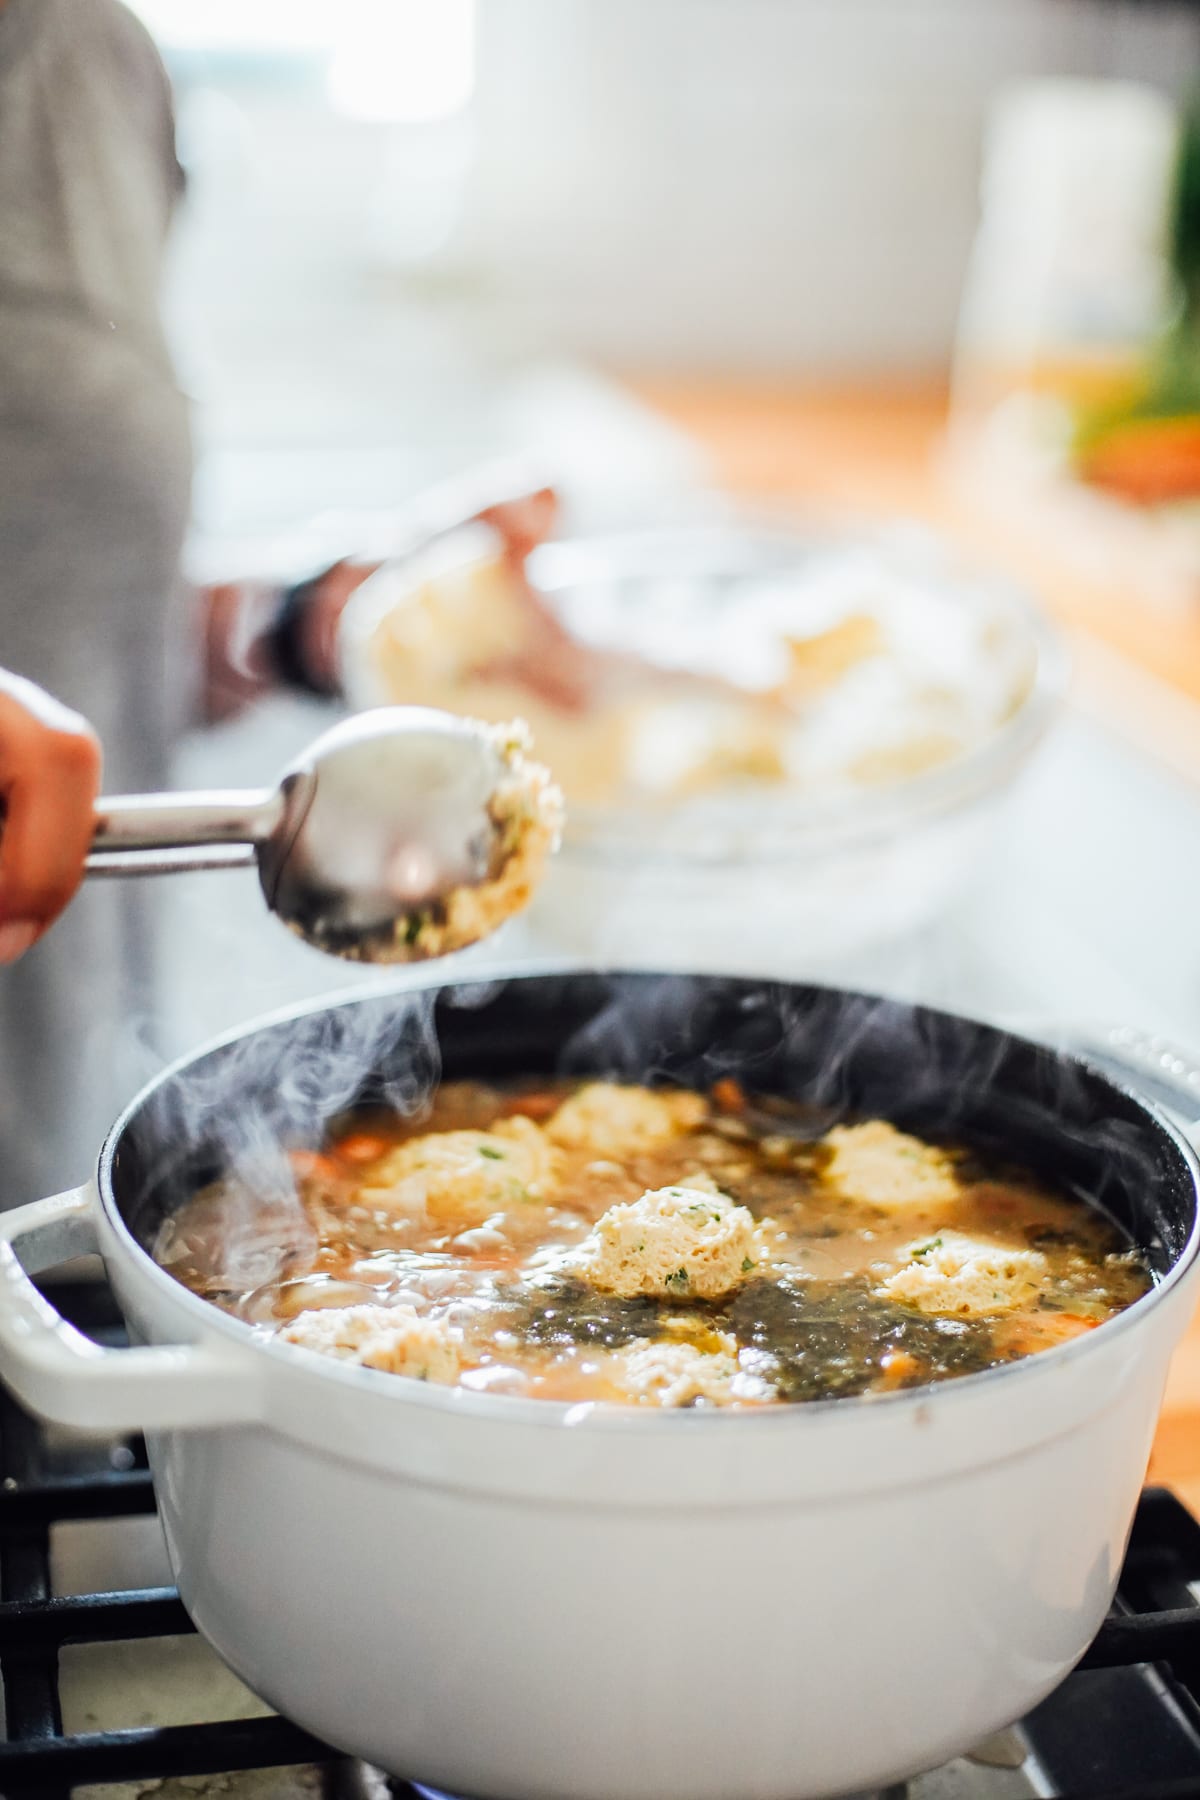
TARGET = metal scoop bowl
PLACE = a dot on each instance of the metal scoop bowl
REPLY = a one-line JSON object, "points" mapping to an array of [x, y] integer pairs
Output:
{"points": [[365, 839]]}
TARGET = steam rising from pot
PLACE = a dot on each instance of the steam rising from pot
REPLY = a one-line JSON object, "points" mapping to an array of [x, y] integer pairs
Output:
{"points": [[239, 1110]]}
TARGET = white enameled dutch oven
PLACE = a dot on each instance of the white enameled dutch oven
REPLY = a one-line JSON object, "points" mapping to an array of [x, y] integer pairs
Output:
{"points": [[525, 1600]]}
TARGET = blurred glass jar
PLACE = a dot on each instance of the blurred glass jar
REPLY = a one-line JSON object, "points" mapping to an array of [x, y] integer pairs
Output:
{"points": [[859, 834], [1070, 281]]}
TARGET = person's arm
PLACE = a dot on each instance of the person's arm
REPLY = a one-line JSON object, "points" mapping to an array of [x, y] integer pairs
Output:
{"points": [[49, 779], [256, 637]]}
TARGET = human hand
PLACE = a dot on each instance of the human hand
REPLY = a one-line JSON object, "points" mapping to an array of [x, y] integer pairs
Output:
{"points": [[521, 513], [49, 779], [240, 620]]}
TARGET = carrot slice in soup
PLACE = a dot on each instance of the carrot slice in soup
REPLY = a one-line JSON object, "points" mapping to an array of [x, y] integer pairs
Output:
{"points": [[532, 1106], [361, 1147]]}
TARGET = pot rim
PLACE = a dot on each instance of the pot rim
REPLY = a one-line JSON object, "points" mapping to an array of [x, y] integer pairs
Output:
{"points": [[607, 1416]]}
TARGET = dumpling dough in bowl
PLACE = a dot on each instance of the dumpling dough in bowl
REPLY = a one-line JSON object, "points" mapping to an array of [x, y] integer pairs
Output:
{"points": [[966, 1277], [395, 1339], [677, 1242], [613, 1120], [876, 1164]]}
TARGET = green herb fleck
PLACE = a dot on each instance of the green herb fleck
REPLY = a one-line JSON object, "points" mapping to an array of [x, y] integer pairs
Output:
{"points": [[492, 1155], [678, 1280], [747, 1265], [924, 1249]]}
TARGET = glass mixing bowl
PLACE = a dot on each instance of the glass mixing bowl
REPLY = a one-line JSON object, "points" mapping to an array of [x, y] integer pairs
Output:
{"points": [[786, 875]]}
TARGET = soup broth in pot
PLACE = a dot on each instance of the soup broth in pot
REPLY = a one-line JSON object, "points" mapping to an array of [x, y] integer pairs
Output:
{"points": [[607, 1242]]}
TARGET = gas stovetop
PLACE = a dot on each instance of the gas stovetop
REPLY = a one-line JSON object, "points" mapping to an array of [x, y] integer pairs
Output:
{"points": [[113, 1687]]}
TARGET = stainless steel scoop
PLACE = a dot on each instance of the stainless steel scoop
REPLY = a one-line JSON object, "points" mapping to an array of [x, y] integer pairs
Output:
{"points": [[383, 816]]}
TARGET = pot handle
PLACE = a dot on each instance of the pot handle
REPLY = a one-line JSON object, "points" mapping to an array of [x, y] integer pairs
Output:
{"points": [[64, 1377]]}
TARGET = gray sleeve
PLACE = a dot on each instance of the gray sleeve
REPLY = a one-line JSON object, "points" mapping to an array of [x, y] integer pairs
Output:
{"points": [[150, 86]]}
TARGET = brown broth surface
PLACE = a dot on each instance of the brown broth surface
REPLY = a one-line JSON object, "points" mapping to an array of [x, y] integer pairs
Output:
{"points": [[494, 1263]]}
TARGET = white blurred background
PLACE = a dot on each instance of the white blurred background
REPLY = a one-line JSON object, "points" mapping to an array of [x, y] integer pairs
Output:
{"points": [[773, 186], [420, 234]]}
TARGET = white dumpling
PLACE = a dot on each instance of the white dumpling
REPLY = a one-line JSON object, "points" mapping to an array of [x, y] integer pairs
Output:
{"points": [[615, 1121], [677, 1242], [966, 1277], [465, 1177], [880, 1166], [396, 1339]]}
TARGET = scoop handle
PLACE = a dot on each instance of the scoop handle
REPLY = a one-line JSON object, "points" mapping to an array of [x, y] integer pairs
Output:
{"points": [[151, 834]]}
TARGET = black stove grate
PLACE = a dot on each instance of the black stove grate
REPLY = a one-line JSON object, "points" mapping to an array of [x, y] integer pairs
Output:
{"points": [[1125, 1726], [37, 1757]]}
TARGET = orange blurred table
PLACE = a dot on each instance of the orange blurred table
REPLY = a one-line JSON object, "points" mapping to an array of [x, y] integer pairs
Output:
{"points": [[852, 454]]}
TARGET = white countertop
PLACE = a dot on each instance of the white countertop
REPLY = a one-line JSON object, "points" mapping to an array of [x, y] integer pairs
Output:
{"points": [[1086, 914]]}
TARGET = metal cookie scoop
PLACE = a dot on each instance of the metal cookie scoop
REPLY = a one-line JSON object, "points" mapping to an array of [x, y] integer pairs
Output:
{"points": [[402, 833]]}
